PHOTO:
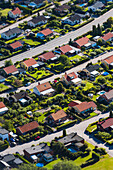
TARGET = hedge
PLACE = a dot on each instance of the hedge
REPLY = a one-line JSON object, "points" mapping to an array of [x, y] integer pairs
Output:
{"points": [[49, 128], [4, 146], [23, 159], [66, 124]]}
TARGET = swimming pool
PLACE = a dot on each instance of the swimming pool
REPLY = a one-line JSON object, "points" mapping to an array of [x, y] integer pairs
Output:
{"points": [[81, 5], [72, 150], [101, 92], [24, 6]]}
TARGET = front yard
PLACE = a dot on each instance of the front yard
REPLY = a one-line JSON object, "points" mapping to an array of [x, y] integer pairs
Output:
{"points": [[5, 11], [3, 87]]}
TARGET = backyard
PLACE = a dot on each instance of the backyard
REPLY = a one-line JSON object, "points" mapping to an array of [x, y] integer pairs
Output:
{"points": [[3, 87], [5, 11]]}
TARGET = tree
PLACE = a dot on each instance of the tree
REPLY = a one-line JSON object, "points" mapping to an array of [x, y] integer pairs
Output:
{"points": [[29, 167], [101, 80], [110, 114], [64, 60], [99, 30], [8, 63], [110, 21], [94, 31], [65, 165], [59, 87], [64, 132]]}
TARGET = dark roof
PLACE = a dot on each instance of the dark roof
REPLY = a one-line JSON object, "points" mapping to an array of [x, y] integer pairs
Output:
{"points": [[33, 150], [91, 68], [40, 63], [38, 1], [3, 131], [74, 17], [38, 19], [20, 95], [18, 161], [1, 77], [15, 30], [108, 95], [3, 165], [9, 157], [98, 4], [71, 138], [47, 155], [62, 8]]}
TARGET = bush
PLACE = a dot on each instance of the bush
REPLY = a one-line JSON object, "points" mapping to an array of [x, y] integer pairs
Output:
{"points": [[101, 151], [103, 136], [95, 156], [66, 124]]}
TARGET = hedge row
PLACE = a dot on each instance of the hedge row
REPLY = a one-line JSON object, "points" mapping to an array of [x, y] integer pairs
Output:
{"points": [[4, 146], [22, 158], [66, 125], [49, 128]]}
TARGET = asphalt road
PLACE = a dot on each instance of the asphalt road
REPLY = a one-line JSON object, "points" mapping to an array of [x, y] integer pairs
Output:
{"points": [[75, 69], [60, 40], [79, 128]]}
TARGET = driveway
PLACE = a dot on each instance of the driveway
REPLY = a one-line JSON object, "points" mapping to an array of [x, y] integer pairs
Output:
{"points": [[79, 128]]}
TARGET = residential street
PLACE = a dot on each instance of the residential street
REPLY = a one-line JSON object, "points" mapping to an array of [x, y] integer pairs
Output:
{"points": [[75, 69], [79, 128], [60, 40]]}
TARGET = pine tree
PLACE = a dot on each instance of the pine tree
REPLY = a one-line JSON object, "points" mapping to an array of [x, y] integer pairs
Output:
{"points": [[99, 30], [94, 31]]}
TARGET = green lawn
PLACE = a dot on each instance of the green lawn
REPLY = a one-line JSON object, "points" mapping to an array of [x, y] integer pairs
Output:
{"points": [[31, 42], [5, 11], [77, 57], [91, 115], [3, 87], [51, 164], [88, 85], [42, 117], [15, 39], [39, 74]]}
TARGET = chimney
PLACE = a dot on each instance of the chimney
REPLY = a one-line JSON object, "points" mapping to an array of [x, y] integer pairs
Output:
{"points": [[65, 73], [38, 83]]}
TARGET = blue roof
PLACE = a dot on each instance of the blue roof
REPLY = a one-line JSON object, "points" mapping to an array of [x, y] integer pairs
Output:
{"points": [[105, 74]]}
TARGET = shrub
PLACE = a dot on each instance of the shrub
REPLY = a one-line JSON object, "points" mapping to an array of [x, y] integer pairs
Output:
{"points": [[95, 156]]}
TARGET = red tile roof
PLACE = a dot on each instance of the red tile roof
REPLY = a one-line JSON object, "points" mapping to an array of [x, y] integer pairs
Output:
{"points": [[44, 86], [82, 41], [46, 32], [85, 105], [2, 105], [70, 76], [58, 115], [16, 11], [106, 123], [47, 56], [28, 127], [107, 36], [10, 69], [109, 59], [73, 103], [30, 62], [16, 44], [65, 49]]}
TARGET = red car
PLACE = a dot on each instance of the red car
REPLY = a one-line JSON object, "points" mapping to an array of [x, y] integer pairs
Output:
{"points": [[38, 137]]}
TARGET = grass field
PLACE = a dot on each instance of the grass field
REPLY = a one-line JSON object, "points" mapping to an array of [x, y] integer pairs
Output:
{"points": [[31, 42], [88, 85], [5, 11], [3, 87], [39, 74]]}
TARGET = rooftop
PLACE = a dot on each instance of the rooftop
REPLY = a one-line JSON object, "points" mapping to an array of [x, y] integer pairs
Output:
{"points": [[70, 76], [44, 86], [30, 62], [16, 11], [16, 44], [58, 115], [2, 105], [85, 105], [10, 69], [106, 123], [47, 56], [38, 19], [108, 95], [107, 36], [46, 32], [109, 59], [65, 48], [82, 41]]}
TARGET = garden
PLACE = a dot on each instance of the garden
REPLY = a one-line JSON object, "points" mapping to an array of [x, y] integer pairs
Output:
{"points": [[3, 87]]}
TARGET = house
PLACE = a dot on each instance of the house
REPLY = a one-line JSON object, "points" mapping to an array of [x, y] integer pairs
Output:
{"points": [[72, 20], [36, 3], [39, 20], [29, 127], [9, 158], [73, 103], [90, 71], [4, 134], [107, 96], [71, 78], [84, 42], [16, 13], [43, 89], [10, 70], [28, 64], [49, 56], [71, 139], [44, 33], [84, 107], [4, 165], [108, 61], [66, 50], [105, 125], [107, 37], [2, 79], [17, 162], [58, 117], [37, 150], [11, 33], [16, 46], [3, 108], [62, 10], [97, 5], [21, 97], [48, 157]]}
